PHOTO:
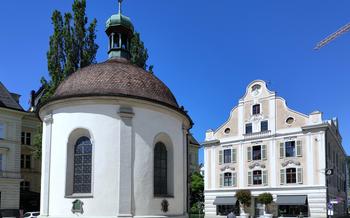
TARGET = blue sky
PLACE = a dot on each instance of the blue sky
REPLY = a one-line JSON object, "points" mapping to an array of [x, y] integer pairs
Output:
{"points": [[207, 52]]}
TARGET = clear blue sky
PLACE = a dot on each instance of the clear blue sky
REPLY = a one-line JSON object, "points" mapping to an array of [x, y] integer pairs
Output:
{"points": [[206, 51]]}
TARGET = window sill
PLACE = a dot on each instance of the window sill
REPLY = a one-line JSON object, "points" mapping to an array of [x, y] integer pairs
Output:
{"points": [[88, 195], [163, 196]]}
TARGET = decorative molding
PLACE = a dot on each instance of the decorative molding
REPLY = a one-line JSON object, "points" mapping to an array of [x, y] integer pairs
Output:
{"points": [[227, 167], [48, 119], [165, 206], [77, 206], [256, 118], [257, 164], [291, 162]]}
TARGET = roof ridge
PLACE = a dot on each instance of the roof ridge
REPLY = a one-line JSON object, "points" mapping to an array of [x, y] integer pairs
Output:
{"points": [[7, 99]]}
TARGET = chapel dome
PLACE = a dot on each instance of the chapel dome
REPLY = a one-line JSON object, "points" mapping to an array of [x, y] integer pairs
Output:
{"points": [[119, 20], [115, 77]]}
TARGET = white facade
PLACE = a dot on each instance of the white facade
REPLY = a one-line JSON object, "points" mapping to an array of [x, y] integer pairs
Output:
{"points": [[266, 147], [123, 133]]}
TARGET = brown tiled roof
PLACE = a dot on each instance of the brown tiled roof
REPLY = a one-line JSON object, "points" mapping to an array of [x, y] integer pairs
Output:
{"points": [[115, 77]]}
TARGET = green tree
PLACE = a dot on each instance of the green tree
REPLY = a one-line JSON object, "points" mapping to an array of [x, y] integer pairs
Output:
{"points": [[244, 197], [139, 54], [266, 199], [71, 47], [196, 190]]}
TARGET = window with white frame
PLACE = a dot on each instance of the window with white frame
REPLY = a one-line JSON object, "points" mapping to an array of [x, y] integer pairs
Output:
{"points": [[26, 138], [257, 177], [228, 156], [291, 175], [291, 149], [248, 128], [264, 126], [228, 179], [256, 152], [256, 155], [256, 109], [2, 131]]}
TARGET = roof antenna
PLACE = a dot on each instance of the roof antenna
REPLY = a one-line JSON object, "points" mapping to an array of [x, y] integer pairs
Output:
{"points": [[120, 6]]}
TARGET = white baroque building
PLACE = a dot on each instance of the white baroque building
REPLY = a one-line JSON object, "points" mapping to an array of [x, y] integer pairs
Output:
{"points": [[114, 140], [266, 147]]}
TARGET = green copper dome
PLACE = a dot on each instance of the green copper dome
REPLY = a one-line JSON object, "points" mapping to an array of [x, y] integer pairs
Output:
{"points": [[119, 20]]}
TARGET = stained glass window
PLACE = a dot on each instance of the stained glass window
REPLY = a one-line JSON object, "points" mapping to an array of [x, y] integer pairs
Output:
{"points": [[160, 170], [82, 165]]}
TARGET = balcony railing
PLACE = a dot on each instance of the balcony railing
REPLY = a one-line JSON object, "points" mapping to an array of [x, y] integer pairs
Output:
{"points": [[257, 134], [10, 175]]}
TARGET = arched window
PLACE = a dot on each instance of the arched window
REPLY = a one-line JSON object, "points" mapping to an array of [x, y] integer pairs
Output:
{"points": [[82, 165], [160, 170]]}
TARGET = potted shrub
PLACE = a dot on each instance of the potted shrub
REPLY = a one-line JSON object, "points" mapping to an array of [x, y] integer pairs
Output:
{"points": [[266, 199], [244, 197]]}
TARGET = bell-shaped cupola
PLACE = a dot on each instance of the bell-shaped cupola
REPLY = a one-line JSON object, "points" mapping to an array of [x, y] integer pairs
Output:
{"points": [[120, 30]]}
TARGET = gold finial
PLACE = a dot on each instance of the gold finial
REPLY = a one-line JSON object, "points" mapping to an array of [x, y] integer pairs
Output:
{"points": [[120, 6]]}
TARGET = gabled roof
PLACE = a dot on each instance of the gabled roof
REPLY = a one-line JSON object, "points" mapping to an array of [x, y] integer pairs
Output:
{"points": [[7, 100]]}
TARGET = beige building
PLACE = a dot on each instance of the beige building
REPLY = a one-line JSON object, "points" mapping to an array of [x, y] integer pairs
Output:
{"points": [[30, 166], [193, 147], [266, 147], [18, 170]]}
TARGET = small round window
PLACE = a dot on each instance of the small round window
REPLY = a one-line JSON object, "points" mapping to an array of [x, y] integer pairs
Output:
{"points": [[290, 120], [227, 130]]}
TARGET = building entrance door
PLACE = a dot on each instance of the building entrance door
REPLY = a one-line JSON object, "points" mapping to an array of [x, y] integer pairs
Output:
{"points": [[259, 208]]}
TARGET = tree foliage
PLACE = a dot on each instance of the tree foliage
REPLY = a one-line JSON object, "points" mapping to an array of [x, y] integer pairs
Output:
{"points": [[244, 197], [197, 189], [72, 46], [265, 198], [139, 53]]}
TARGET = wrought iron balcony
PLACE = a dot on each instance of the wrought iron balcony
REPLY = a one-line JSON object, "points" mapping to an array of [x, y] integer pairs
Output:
{"points": [[254, 135]]}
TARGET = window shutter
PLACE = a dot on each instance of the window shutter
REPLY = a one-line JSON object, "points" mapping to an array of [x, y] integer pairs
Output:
{"points": [[234, 179], [249, 153], [299, 149], [220, 157], [263, 152], [282, 176], [281, 150], [234, 155], [265, 177], [221, 180], [250, 178], [300, 175]]}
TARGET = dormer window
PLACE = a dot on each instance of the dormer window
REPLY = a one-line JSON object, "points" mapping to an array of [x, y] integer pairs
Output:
{"points": [[256, 109]]}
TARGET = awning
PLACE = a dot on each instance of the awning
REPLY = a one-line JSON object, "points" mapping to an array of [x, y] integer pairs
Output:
{"points": [[225, 200], [291, 199]]}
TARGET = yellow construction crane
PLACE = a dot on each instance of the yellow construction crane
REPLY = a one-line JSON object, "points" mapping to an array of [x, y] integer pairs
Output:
{"points": [[333, 36]]}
